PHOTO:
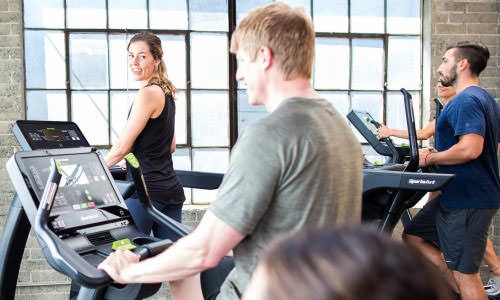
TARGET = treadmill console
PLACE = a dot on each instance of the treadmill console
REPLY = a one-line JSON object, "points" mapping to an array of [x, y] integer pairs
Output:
{"points": [[367, 126], [86, 196], [34, 135]]}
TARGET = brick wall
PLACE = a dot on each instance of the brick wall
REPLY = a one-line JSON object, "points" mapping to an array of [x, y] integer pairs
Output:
{"points": [[451, 21]]}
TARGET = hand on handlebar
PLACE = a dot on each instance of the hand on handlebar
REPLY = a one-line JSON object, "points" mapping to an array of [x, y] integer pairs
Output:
{"points": [[117, 263], [122, 164], [383, 132], [423, 156]]}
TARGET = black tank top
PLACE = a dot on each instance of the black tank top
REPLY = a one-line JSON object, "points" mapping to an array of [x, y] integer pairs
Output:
{"points": [[152, 149]]}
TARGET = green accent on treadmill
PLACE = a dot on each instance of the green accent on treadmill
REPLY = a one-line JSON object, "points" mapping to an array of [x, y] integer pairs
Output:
{"points": [[378, 163], [59, 167], [124, 244], [132, 160]]}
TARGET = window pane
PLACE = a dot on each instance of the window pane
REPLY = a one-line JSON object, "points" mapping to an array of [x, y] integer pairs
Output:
{"points": [[79, 12], [209, 118], [120, 106], [209, 58], [248, 114], [208, 15], [118, 63], [180, 118], [88, 61], [339, 100], [45, 54], [90, 112], [168, 14], [403, 68], [396, 117], [369, 102], [367, 16], [244, 7], [395, 109], [46, 105], [174, 55], [330, 16], [181, 159], [304, 4], [403, 16], [127, 14], [331, 64], [367, 64], [208, 160], [44, 14]]}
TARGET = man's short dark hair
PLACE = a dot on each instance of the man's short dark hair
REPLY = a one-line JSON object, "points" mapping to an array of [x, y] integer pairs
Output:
{"points": [[476, 54]]}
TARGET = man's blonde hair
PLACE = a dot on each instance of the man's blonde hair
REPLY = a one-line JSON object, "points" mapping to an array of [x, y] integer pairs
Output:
{"points": [[286, 31]]}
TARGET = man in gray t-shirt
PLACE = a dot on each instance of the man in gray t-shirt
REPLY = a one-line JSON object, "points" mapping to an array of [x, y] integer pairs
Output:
{"points": [[299, 166], [288, 171]]}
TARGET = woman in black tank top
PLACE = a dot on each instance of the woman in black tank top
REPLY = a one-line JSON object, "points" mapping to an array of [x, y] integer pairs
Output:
{"points": [[149, 134]]}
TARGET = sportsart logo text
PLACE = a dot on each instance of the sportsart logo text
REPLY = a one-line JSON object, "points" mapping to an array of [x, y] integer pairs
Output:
{"points": [[421, 181]]}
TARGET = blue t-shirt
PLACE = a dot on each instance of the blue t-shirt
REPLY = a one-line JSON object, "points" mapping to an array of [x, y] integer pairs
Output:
{"points": [[477, 183]]}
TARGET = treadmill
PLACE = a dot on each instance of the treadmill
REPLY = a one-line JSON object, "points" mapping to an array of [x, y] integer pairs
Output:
{"points": [[57, 136], [80, 217], [390, 190]]}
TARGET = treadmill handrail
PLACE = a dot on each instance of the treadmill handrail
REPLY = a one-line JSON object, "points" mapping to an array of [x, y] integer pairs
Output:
{"points": [[143, 195], [412, 132]]}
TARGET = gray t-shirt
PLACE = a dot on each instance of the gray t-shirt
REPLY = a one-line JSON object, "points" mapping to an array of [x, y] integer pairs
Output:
{"points": [[299, 166]]}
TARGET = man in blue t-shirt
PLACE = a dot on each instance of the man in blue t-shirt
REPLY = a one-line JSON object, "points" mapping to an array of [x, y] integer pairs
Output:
{"points": [[452, 229]]}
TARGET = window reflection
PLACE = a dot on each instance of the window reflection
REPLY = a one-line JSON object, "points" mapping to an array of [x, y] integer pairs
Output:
{"points": [[367, 64], [168, 14], [127, 14], [208, 15], [367, 16], [403, 68], [339, 100], [174, 55], [210, 118], [330, 16], [43, 14], [181, 118], [46, 105], [331, 63], [403, 16], [120, 107], [90, 112], [45, 59], [209, 58], [88, 61], [79, 12]]}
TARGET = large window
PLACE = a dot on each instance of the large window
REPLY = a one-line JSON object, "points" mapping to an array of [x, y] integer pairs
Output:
{"points": [[76, 65]]}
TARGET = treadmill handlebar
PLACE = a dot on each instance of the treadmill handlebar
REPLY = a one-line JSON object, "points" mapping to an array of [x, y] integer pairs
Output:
{"points": [[142, 192], [152, 249], [412, 133]]}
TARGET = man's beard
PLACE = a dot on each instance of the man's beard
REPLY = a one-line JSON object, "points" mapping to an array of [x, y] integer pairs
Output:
{"points": [[449, 81]]}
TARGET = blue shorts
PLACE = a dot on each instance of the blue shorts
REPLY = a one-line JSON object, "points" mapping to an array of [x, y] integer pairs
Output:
{"points": [[460, 233]]}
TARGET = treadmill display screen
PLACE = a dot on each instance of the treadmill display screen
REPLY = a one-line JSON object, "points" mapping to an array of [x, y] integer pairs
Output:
{"points": [[52, 135], [85, 190], [368, 121]]}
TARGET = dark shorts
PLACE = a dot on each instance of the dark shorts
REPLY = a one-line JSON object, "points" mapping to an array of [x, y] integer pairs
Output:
{"points": [[212, 279], [460, 233]]}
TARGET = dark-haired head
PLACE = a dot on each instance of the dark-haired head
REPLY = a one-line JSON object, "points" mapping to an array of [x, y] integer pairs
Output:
{"points": [[154, 43], [476, 54], [348, 263]]}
